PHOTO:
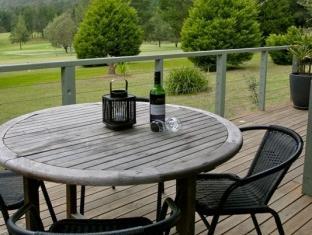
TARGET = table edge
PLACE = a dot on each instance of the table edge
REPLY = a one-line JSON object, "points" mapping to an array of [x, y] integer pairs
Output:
{"points": [[106, 178]]}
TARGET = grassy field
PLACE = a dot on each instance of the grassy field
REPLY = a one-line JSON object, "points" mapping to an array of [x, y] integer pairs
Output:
{"points": [[22, 92], [38, 50]]}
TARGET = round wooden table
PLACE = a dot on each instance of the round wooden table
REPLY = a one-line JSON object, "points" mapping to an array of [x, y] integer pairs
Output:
{"points": [[71, 145]]}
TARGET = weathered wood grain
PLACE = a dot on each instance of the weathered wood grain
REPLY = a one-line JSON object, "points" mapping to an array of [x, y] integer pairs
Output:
{"points": [[71, 145]]}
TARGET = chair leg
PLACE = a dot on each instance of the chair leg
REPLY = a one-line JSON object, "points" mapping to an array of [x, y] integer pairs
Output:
{"points": [[82, 199], [278, 222], [160, 191], [203, 218], [48, 201], [254, 220], [4, 210], [213, 225]]}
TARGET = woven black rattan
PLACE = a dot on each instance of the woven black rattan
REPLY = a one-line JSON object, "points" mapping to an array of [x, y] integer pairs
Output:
{"points": [[12, 194], [121, 226], [227, 194]]}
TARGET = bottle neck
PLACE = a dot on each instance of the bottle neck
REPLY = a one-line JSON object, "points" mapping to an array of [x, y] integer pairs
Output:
{"points": [[157, 80], [157, 84]]}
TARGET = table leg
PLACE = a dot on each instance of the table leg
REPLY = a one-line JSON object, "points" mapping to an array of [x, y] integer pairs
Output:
{"points": [[186, 202], [31, 196], [71, 200]]}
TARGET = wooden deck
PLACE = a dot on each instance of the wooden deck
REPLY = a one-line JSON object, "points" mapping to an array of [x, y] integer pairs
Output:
{"points": [[294, 208]]}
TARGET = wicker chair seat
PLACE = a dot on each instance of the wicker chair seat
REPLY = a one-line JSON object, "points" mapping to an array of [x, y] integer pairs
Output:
{"points": [[99, 225], [11, 189], [228, 194], [208, 201]]}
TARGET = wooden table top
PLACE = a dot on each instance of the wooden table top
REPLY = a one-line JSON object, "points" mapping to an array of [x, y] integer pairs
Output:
{"points": [[70, 144]]}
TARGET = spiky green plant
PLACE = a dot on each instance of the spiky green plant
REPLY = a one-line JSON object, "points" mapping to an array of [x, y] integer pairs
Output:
{"points": [[302, 50]]}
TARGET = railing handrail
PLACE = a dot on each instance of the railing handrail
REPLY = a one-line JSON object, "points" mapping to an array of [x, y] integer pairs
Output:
{"points": [[110, 60]]}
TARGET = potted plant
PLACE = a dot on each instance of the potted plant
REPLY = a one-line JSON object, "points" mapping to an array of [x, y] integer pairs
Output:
{"points": [[300, 78]]}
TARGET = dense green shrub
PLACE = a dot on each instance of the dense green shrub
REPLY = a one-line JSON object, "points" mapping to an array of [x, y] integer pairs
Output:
{"points": [[109, 28], [222, 24], [283, 56], [186, 81]]}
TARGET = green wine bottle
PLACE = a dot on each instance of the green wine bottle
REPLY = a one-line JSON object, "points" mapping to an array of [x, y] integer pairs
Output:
{"points": [[157, 101]]}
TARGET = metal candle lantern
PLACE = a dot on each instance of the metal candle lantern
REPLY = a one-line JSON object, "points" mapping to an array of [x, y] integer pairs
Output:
{"points": [[119, 111]]}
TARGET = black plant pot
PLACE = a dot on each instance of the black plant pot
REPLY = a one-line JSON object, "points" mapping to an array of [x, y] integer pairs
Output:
{"points": [[300, 90]]}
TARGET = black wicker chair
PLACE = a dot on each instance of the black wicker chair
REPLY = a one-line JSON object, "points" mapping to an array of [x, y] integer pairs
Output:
{"points": [[12, 194], [160, 185], [121, 226], [227, 194]]}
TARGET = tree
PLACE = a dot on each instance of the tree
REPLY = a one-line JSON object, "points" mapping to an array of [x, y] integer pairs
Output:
{"points": [[29, 17], [60, 32], [20, 34], [275, 16], [174, 12], [43, 14], [109, 28], [5, 21], [307, 4], [302, 15], [79, 11], [158, 29], [221, 24], [145, 10]]}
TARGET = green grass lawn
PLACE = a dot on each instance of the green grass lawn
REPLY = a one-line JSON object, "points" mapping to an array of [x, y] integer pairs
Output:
{"points": [[26, 91], [39, 50]]}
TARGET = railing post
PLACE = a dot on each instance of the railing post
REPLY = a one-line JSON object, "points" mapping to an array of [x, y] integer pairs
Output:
{"points": [[307, 172], [68, 85], [220, 84], [294, 67], [263, 78], [159, 66]]}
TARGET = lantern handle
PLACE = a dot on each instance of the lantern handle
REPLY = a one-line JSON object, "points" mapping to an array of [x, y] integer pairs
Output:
{"points": [[111, 84]]}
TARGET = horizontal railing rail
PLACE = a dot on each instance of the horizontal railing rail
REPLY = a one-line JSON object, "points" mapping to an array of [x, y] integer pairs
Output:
{"points": [[110, 60]]}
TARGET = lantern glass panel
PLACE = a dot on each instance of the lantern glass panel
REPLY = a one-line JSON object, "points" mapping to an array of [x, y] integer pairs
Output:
{"points": [[119, 113]]}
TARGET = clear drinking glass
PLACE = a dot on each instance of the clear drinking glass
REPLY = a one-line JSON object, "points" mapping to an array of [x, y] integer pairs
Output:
{"points": [[171, 124]]}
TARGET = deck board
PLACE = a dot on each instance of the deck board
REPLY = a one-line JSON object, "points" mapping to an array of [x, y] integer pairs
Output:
{"points": [[294, 208]]}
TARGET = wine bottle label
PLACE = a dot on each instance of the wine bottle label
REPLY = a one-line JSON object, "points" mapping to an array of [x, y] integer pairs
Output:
{"points": [[157, 109]]}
